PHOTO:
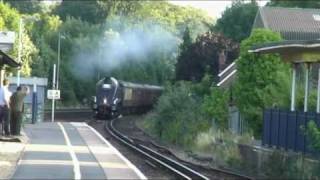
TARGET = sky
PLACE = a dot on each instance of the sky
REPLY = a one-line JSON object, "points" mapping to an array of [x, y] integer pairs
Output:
{"points": [[214, 8]]}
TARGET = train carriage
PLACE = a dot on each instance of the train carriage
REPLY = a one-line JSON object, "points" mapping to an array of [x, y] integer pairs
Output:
{"points": [[115, 97]]}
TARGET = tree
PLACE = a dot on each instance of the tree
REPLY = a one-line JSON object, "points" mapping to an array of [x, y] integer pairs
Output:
{"points": [[26, 7], [236, 22], [84, 23], [203, 57], [187, 40], [260, 79], [9, 20], [86, 10], [295, 3], [42, 33], [121, 8], [174, 18]]}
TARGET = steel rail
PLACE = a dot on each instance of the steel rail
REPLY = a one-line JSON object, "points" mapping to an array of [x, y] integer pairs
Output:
{"points": [[174, 166]]}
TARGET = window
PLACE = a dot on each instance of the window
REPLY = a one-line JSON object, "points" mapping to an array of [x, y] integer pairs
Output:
{"points": [[316, 17]]}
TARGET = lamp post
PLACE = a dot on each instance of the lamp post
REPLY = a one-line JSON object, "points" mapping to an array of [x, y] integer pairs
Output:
{"points": [[19, 50], [58, 68], [22, 19]]}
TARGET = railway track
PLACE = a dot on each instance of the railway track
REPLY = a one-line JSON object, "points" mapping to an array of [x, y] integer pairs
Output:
{"points": [[177, 167], [70, 114], [174, 166]]}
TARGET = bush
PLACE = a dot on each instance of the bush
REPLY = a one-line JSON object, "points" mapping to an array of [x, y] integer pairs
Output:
{"points": [[280, 165], [262, 80], [313, 134], [177, 117], [216, 106]]}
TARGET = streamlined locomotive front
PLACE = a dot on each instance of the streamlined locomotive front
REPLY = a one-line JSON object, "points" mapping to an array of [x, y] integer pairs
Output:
{"points": [[106, 100]]}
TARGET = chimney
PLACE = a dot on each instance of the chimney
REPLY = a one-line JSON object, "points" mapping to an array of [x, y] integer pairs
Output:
{"points": [[222, 60]]}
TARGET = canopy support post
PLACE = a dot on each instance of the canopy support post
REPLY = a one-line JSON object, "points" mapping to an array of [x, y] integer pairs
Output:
{"points": [[306, 89], [293, 87], [318, 96]]}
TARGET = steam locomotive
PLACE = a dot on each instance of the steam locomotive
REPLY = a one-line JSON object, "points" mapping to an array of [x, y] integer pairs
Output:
{"points": [[114, 97]]}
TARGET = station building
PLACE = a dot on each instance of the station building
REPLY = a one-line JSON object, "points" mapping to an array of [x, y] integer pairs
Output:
{"points": [[37, 86], [294, 24]]}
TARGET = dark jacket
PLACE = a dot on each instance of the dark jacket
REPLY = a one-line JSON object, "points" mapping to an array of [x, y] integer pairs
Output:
{"points": [[16, 101]]}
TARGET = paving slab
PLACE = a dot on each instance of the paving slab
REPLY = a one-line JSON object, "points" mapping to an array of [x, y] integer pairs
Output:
{"points": [[11, 149], [71, 151]]}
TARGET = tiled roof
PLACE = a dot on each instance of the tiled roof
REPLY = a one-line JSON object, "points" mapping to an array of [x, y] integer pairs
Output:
{"points": [[292, 23]]}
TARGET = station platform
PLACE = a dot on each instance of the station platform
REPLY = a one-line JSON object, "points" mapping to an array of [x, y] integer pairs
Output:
{"points": [[71, 151]]}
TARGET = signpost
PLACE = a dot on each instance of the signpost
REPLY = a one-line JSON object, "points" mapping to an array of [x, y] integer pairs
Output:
{"points": [[53, 94], [53, 87]]}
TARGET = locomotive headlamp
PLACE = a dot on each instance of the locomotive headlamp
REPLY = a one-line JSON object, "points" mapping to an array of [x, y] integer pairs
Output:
{"points": [[106, 86], [105, 100]]}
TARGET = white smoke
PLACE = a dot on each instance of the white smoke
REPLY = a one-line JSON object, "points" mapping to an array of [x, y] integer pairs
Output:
{"points": [[114, 49]]}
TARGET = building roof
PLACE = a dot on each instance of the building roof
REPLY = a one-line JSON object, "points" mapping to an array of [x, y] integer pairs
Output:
{"points": [[7, 39], [227, 75], [5, 59], [291, 23], [292, 51], [278, 47], [29, 80], [300, 27]]}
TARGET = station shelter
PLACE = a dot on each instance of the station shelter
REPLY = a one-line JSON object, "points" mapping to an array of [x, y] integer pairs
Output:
{"points": [[284, 128], [33, 111], [35, 100]]}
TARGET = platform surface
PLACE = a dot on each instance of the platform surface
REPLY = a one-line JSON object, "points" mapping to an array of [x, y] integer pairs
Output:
{"points": [[71, 151]]}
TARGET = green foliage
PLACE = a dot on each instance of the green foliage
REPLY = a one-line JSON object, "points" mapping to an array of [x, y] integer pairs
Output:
{"points": [[216, 106], [202, 56], [280, 165], [121, 8], [43, 34], [26, 7], [236, 21], [28, 55], [89, 11], [177, 117], [119, 18], [203, 88], [313, 133], [84, 24], [175, 18], [262, 79], [9, 20], [187, 40]]}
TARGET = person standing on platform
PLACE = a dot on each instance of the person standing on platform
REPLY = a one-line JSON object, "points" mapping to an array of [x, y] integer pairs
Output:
{"points": [[4, 106], [17, 109]]}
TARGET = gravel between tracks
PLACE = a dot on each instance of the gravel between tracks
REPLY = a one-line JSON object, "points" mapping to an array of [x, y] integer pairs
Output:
{"points": [[127, 126]]}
